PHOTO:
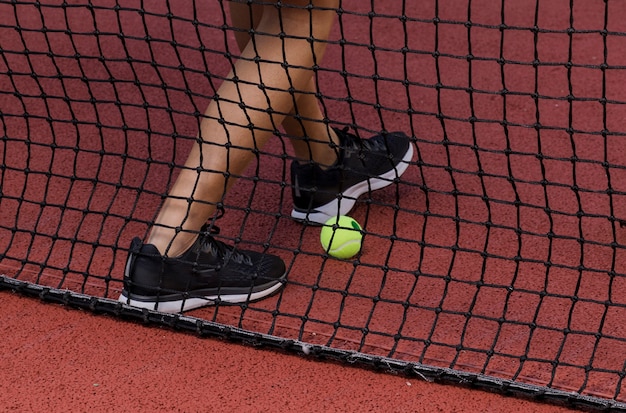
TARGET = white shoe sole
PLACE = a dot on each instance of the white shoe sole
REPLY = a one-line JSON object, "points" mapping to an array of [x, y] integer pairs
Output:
{"points": [[179, 306]]}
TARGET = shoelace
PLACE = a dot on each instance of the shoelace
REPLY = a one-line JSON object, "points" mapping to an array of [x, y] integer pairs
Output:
{"points": [[362, 145], [225, 252]]}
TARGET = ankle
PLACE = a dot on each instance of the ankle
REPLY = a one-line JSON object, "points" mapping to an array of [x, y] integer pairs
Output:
{"points": [[328, 159], [324, 154], [170, 243]]}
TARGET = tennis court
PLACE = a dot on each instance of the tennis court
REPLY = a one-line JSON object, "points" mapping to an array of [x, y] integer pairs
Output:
{"points": [[77, 360], [497, 259]]}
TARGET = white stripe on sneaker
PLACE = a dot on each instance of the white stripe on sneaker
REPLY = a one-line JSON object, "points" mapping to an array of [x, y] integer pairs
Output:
{"points": [[178, 306]]}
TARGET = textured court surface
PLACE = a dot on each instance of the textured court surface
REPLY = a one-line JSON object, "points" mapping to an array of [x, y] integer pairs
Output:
{"points": [[76, 360]]}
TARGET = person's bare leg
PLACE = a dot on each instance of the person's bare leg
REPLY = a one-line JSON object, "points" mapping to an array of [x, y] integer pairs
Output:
{"points": [[310, 136], [226, 143]]}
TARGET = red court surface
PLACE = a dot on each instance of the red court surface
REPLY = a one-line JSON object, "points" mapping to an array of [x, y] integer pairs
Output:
{"points": [[57, 359], [498, 253]]}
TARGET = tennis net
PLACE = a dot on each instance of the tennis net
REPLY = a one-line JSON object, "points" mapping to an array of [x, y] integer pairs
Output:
{"points": [[499, 256]]}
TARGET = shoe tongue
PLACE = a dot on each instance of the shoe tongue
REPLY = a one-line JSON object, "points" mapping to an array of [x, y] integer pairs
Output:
{"points": [[344, 135], [209, 229], [347, 142], [350, 140]]}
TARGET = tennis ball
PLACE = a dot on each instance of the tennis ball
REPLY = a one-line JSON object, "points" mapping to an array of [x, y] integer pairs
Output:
{"points": [[341, 237]]}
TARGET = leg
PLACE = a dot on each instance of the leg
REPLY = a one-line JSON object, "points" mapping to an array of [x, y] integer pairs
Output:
{"points": [[344, 167], [225, 143], [311, 137]]}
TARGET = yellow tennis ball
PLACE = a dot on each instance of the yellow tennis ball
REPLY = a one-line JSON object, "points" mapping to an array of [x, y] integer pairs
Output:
{"points": [[341, 237]]}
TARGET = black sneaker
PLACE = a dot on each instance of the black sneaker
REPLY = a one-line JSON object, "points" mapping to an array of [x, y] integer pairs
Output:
{"points": [[208, 272], [364, 165]]}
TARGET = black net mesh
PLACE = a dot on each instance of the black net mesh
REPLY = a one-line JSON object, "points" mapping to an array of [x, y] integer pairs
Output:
{"points": [[499, 253]]}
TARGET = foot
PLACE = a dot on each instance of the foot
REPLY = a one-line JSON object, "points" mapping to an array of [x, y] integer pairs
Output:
{"points": [[208, 272], [363, 166]]}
